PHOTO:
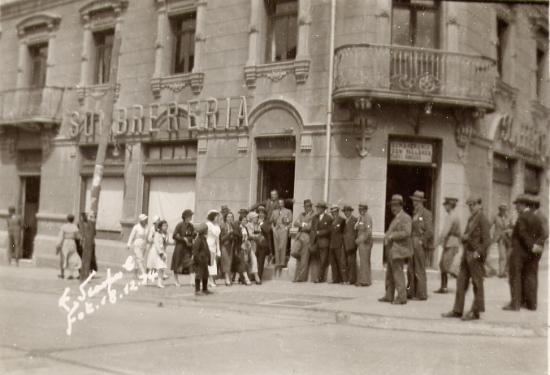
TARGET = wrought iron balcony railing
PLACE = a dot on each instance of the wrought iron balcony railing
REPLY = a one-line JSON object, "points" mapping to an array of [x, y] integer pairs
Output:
{"points": [[31, 105], [413, 74]]}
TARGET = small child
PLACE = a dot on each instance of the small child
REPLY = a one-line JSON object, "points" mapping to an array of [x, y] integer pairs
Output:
{"points": [[201, 260]]}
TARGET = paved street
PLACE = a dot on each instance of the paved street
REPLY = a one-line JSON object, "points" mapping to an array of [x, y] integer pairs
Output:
{"points": [[276, 328]]}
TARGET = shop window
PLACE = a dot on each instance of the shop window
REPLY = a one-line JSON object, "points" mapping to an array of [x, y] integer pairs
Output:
{"points": [[171, 151], [532, 179], [111, 202], [415, 23], [38, 64], [103, 44], [502, 43], [282, 30], [183, 32], [503, 170]]}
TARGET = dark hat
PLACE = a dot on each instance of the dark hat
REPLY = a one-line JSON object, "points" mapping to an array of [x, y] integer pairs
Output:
{"points": [[224, 208], [334, 207], [503, 206], [261, 208], [307, 202], [202, 228], [347, 207], [396, 199], [363, 205], [243, 211], [522, 198], [187, 213], [450, 200], [473, 199], [321, 204], [418, 196]]}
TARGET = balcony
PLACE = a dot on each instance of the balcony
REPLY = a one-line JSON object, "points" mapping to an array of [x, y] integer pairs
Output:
{"points": [[391, 72], [31, 105]]}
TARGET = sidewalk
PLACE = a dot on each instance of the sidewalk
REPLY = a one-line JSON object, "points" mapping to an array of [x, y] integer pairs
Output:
{"points": [[320, 302]]}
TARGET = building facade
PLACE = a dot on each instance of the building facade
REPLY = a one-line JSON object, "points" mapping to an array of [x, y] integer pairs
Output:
{"points": [[218, 101]]}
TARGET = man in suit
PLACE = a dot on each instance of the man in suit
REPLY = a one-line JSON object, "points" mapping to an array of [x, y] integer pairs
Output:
{"points": [[449, 240], [321, 239], [303, 223], [281, 218], [263, 247], [422, 242], [336, 248], [398, 241], [502, 232], [476, 240], [15, 235], [527, 242], [350, 247]]}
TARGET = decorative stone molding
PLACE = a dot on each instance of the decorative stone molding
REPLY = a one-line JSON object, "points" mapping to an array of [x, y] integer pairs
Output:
{"points": [[177, 83], [363, 120], [98, 6], [202, 145], [242, 143], [38, 23], [96, 91], [277, 71], [306, 142], [505, 12], [464, 130], [506, 93]]}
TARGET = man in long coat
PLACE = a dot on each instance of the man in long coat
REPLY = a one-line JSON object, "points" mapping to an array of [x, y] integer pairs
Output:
{"points": [[398, 241], [320, 239], [527, 242], [350, 247], [336, 248], [422, 242], [303, 223], [476, 240]]}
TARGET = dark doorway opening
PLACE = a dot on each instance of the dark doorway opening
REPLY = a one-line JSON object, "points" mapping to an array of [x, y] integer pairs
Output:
{"points": [[31, 200], [276, 175], [404, 180]]}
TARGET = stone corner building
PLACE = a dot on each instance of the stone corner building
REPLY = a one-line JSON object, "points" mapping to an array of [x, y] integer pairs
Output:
{"points": [[218, 101]]}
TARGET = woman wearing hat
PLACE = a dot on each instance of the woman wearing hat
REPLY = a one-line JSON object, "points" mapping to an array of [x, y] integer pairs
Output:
{"points": [[255, 237], [213, 240], [184, 234], [137, 242]]}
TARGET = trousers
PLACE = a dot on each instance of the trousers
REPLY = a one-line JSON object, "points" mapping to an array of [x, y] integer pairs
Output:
{"points": [[198, 281], [261, 254], [338, 265], [351, 265], [416, 272], [504, 253], [395, 280], [524, 269], [323, 263], [14, 245], [470, 268]]}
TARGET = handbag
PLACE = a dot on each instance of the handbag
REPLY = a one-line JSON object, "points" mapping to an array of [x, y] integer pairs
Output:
{"points": [[296, 247]]}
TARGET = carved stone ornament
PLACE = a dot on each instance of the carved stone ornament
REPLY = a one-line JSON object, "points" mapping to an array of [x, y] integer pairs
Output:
{"points": [[464, 130], [96, 91], [306, 142], [44, 21], [177, 83], [277, 71], [202, 145], [242, 144], [363, 123]]}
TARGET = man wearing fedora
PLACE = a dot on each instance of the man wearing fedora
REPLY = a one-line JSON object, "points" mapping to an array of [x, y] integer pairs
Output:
{"points": [[336, 249], [527, 244], [303, 223], [363, 240], [398, 241], [476, 240], [320, 239], [350, 247], [422, 242], [449, 240], [502, 232]]}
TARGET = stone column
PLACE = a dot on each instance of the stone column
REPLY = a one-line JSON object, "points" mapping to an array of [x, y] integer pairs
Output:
{"points": [[86, 54], [22, 63], [304, 21], [200, 37], [160, 47], [253, 32], [50, 61]]}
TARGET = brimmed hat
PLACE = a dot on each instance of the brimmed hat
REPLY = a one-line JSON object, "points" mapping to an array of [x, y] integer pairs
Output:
{"points": [[142, 217], [202, 228], [396, 199], [503, 206], [224, 208], [522, 198], [307, 202], [334, 207], [187, 213], [156, 219], [321, 204], [418, 196], [213, 211], [252, 215], [473, 199], [347, 207], [243, 211], [363, 205], [261, 208], [450, 200]]}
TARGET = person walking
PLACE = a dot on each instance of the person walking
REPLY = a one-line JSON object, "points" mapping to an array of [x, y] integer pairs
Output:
{"points": [[213, 240], [476, 240], [336, 247], [350, 247], [150, 234], [66, 244], [320, 240], [201, 260], [157, 257], [422, 242], [398, 241], [363, 228], [183, 235], [303, 223], [137, 243], [449, 240], [263, 245], [527, 243], [228, 243], [502, 235], [281, 218], [244, 265], [254, 236], [15, 236]]}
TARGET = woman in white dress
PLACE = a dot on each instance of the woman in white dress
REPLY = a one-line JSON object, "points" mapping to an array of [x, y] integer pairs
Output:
{"points": [[254, 235], [157, 257], [66, 244], [213, 241], [137, 242]]}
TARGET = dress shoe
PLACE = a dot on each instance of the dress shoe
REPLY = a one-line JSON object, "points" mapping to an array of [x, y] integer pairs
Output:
{"points": [[207, 292], [384, 299], [451, 314], [470, 316], [509, 307], [399, 302], [419, 299], [198, 293], [441, 291]]}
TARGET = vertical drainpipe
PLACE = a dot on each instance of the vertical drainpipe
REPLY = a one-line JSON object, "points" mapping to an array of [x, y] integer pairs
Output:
{"points": [[329, 96]]}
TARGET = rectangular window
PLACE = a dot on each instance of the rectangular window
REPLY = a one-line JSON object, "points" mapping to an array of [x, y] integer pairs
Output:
{"points": [[502, 42], [110, 203], [282, 30], [38, 64], [183, 30], [415, 23], [103, 42], [532, 179], [503, 170]]}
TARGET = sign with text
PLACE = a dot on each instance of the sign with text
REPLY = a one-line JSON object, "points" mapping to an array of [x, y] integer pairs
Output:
{"points": [[411, 152]]}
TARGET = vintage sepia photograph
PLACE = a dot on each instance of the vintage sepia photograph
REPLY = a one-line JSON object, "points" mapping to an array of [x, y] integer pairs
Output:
{"points": [[291, 187]]}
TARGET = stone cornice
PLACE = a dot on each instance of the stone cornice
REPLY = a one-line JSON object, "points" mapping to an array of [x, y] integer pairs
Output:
{"points": [[25, 7]]}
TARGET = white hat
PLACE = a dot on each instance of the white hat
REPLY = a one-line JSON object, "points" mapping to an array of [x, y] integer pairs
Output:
{"points": [[142, 217], [156, 218]]}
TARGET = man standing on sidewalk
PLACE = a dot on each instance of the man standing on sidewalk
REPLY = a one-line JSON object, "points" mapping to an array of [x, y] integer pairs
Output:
{"points": [[15, 235], [320, 238], [476, 240], [303, 223], [336, 250], [502, 232], [350, 247], [527, 242], [449, 241], [398, 241], [422, 242]]}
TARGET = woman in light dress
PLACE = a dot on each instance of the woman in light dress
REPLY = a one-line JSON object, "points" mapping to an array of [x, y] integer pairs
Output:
{"points": [[213, 241], [157, 257], [137, 242], [255, 236], [66, 245]]}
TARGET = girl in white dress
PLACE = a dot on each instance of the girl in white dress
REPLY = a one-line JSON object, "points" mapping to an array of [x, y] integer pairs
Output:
{"points": [[66, 244], [213, 241], [157, 257], [137, 242]]}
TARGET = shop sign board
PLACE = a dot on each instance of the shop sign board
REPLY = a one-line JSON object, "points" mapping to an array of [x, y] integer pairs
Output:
{"points": [[411, 152]]}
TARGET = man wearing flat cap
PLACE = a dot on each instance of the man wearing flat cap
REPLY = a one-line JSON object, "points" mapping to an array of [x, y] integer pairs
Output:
{"points": [[363, 227], [350, 247], [476, 240], [449, 240], [336, 248], [502, 235], [303, 223], [15, 235], [527, 242], [398, 241], [320, 239]]}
